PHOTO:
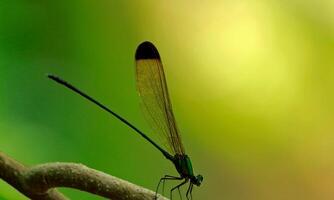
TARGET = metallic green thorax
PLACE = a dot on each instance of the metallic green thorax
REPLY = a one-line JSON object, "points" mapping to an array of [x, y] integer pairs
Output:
{"points": [[183, 165]]}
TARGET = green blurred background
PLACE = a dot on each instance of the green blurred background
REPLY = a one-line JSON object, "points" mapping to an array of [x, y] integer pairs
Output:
{"points": [[251, 84]]}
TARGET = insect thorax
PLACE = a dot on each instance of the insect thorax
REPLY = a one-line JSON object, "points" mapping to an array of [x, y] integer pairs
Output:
{"points": [[183, 165]]}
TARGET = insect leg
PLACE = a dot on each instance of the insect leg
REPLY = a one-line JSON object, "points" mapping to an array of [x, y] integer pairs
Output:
{"points": [[168, 177], [177, 187], [163, 179], [189, 191]]}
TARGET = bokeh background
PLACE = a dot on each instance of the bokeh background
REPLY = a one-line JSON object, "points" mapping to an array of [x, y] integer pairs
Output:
{"points": [[251, 84]]}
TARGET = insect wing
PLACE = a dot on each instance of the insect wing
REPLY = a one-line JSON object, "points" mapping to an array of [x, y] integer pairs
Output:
{"points": [[152, 88]]}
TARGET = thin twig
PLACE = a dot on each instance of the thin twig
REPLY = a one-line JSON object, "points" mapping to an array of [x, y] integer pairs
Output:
{"points": [[38, 182]]}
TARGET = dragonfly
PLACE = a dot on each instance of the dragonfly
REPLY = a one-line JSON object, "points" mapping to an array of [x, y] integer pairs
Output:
{"points": [[156, 104]]}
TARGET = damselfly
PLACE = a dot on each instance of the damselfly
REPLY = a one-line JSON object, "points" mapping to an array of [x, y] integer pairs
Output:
{"points": [[152, 88]]}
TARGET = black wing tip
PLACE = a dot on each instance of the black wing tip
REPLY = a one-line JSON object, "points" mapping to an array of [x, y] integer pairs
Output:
{"points": [[147, 50]]}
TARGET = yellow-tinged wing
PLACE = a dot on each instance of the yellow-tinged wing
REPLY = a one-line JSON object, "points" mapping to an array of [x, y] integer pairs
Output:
{"points": [[152, 88]]}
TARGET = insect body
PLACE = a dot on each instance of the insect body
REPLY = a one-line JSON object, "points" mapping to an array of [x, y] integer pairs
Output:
{"points": [[152, 88]]}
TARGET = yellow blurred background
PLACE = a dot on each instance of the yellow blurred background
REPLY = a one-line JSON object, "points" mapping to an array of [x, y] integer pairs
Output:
{"points": [[251, 84]]}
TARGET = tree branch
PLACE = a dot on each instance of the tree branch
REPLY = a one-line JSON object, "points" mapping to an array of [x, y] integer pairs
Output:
{"points": [[39, 182]]}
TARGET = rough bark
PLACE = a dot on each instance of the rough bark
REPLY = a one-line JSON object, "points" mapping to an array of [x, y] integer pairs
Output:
{"points": [[39, 182]]}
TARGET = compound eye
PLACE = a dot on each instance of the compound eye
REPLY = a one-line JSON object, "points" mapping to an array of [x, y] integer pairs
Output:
{"points": [[199, 178]]}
